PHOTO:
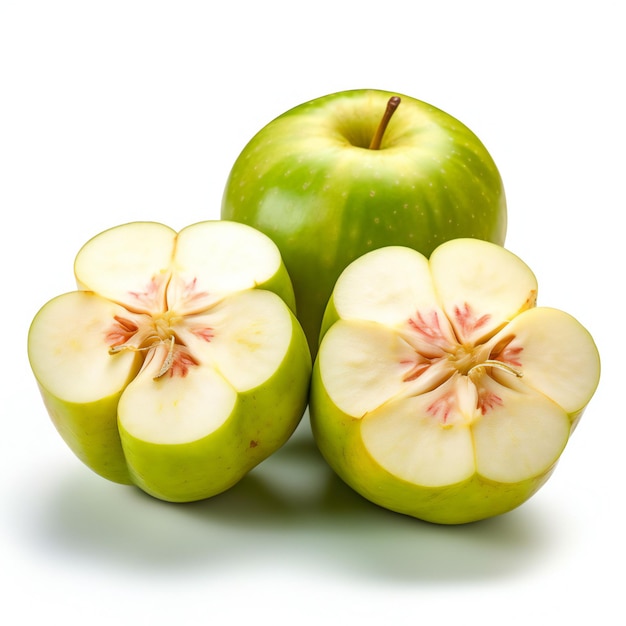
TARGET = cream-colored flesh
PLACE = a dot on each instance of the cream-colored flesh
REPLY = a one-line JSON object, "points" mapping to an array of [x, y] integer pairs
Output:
{"points": [[239, 258], [148, 267], [494, 397], [521, 437], [389, 297], [252, 333], [68, 349], [480, 286], [361, 364], [559, 356], [177, 409], [128, 264], [410, 444]]}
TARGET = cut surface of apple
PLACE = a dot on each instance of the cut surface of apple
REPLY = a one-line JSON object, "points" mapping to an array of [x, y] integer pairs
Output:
{"points": [[179, 364], [440, 389]]}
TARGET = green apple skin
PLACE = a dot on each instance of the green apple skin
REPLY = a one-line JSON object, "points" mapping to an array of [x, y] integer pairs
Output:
{"points": [[309, 182], [338, 437], [262, 421], [91, 432]]}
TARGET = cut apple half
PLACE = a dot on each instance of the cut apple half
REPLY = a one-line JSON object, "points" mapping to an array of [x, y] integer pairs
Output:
{"points": [[440, 389], [178, 365]]}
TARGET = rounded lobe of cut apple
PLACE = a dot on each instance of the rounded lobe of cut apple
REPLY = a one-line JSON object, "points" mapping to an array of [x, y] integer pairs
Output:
{"points": [[128, 264], [69, 342], [441, 381], [204, 414], [115, 264], [147, 369], [479, 295], [80, 383], [253, 331]]}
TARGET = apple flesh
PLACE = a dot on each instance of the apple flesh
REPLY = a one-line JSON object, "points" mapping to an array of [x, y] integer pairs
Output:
{"points": [[440, 389], [339, 176], [178, 365]]}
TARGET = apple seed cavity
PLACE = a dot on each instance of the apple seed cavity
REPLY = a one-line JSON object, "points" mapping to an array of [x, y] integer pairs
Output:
{"points": [[144, 332], [441, 355]]}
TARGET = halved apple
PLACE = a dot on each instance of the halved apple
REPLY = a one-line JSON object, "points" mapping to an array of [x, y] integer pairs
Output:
{"points": [[178, 365], [440, 390]]}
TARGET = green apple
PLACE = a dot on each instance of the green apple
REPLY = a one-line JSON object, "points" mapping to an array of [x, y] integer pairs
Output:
{"points": [[178, 365], [336, 177], [440, 389]]}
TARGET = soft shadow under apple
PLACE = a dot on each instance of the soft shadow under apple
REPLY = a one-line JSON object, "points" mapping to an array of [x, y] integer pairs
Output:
{"points": [[290, 512]]}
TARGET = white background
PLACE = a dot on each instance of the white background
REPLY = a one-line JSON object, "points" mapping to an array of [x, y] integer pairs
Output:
{"points": [[124, 110]]}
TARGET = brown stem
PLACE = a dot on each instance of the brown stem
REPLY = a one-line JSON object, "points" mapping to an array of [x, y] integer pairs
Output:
{"points": [[392, 105]]}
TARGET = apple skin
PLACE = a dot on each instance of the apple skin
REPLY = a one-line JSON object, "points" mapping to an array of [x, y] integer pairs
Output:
{"points": [[338, 437], [91, 432], [309, 182]]}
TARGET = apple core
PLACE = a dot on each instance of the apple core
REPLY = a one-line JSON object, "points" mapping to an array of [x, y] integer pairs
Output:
{"points": [[442, 355], [144, 332]]}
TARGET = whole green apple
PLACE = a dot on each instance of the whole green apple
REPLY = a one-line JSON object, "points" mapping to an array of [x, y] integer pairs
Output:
{"points": [[177, 365], [440, 390], [336, 177]]}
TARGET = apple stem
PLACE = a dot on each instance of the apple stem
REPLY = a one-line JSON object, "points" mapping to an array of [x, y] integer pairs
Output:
{"points": [[392, 105]]}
